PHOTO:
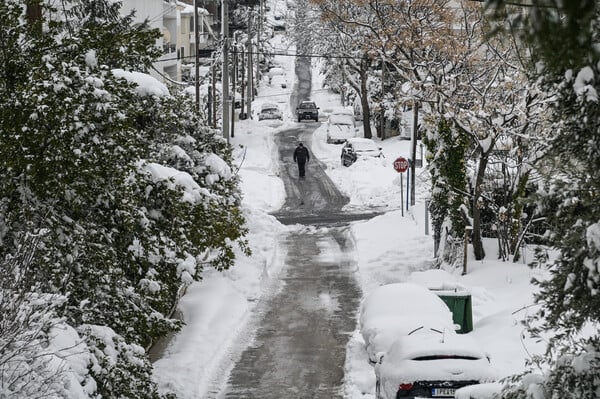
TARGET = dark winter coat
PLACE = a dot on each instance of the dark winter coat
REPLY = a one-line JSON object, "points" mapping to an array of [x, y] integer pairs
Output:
{"points": [[301, 154]]}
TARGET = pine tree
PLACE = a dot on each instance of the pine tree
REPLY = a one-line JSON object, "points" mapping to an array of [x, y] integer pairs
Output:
{"points": [[80, 146]]}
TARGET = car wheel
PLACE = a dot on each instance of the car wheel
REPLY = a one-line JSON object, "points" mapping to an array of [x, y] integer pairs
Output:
{"points": [[316, 119], [299, 119]]}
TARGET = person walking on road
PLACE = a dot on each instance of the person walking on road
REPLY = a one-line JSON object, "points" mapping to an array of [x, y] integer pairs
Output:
{"points": [[301, 157]]}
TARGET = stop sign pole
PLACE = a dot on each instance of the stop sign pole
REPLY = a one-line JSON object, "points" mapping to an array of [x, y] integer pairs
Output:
{"points": [[401, 165]]}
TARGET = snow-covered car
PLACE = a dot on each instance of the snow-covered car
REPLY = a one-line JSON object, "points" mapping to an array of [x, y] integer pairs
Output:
{"points": [[340, 127], [275, 71], [359, 147], [395, 310], [427, 364], [279, 81], [269, 111]]}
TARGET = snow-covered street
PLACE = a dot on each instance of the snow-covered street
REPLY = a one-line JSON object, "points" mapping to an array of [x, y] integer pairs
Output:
{"points": [[352, 199], [221, 311]]}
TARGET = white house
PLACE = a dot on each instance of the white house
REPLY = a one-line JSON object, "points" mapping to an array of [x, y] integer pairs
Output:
{"points": [[175, 19]]}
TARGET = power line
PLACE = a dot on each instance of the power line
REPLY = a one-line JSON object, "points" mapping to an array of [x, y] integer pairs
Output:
{"points": [[328, 56], [274, 54]]}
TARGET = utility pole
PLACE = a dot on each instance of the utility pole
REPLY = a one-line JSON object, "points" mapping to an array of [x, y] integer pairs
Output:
{"points": [[261, 13], [33, 14], [225, 68], [413, 164], [197, 57], [242, 88], [257, 75], [249, 68], [234, 83], [261, 17], [214, 91]]}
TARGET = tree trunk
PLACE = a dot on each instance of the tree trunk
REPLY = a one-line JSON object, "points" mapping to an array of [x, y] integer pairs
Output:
{"points": [[34, 15], [364, 100], [478, 250]]}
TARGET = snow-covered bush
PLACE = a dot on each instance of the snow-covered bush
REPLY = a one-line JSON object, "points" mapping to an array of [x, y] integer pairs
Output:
{"points": [[563, 39], [27, 365], [134, 194]]}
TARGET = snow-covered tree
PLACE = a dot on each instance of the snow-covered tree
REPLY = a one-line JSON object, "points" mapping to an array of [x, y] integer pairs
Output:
{"points": [[568, 198], [564, 39], [449, 192], [352, 64], [133, 193]]}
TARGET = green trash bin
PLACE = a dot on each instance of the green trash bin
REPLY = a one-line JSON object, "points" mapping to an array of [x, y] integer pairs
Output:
{"points": [[459, 303]]}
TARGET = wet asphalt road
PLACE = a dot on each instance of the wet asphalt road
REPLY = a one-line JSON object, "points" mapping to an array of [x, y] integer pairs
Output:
{"points": [[299, 347]]}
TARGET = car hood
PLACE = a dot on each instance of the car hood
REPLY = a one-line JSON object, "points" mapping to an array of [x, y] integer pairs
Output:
{"points": [[340, 131], [368, 153], [381, 332]]}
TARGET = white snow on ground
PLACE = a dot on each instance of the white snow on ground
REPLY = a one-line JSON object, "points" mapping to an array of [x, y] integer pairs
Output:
{"points": [[390, 247]]}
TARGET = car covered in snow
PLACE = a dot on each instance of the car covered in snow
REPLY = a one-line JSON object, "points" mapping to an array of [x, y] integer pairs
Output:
{"points": [[431, 364], [269, 111], [395, 310], [340, 127], [278, 81], [357, 147], [275, 71]]}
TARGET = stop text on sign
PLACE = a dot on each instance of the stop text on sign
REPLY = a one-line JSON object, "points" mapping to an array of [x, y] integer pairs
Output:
{"points": [[401, 164]]}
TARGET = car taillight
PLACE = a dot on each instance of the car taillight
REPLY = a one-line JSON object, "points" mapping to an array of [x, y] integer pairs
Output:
{"points": [[405, 387]]}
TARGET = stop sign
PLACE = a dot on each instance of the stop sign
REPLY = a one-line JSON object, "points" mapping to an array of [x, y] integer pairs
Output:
{"points": [[401, 164]]}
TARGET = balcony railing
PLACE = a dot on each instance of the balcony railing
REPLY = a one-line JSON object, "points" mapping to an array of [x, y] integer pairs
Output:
{"points": [[169, 48]]}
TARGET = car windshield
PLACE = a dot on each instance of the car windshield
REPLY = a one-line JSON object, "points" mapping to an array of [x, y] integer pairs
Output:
{"points": [[269, 107], [308, 105], [365, 146], [338, 119]]}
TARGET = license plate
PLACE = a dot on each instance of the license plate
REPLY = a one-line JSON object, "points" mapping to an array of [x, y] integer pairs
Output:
{"points": [[443, 392]]}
